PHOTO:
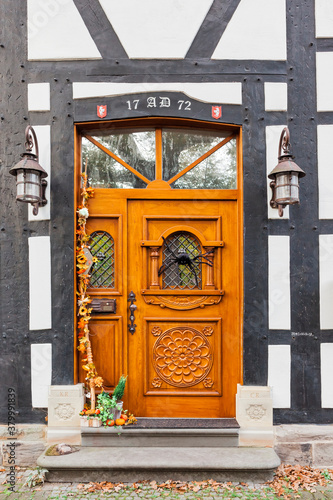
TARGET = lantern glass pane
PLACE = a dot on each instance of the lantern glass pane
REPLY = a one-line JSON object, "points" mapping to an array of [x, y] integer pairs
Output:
{"points": [[287, 191], [28, 186], [20, 184], [294, 188]]}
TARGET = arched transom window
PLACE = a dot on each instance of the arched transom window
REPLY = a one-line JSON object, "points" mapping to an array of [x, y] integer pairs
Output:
{"points": [[179, 158]]}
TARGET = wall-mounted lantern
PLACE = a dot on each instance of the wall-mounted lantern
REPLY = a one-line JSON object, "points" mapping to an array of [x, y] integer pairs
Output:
{"points": [[285, 186], [30, 176]]}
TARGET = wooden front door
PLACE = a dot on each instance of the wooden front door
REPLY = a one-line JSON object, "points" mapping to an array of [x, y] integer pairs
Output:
{"points": [[179, 252]]}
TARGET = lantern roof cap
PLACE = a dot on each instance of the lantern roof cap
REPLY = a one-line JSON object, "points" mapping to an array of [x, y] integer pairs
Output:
{"points": [[286, 165], [29, 162]]}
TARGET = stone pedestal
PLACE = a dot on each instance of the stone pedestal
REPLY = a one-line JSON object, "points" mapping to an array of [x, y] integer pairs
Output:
{"points": [[64, 404], [254, 413]]}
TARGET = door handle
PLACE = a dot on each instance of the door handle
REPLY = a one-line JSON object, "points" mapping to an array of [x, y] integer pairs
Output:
{"points": [[132, 308]]}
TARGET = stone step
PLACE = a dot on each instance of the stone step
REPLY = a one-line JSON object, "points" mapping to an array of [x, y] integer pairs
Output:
{"points": [[156, 437], [122, 464]]}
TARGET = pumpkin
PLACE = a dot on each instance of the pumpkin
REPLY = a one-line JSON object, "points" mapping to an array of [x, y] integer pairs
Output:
{"points": [[120, 421]]}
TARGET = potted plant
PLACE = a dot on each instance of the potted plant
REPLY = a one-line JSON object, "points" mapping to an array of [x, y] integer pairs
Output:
{"points": [[118, 394]]}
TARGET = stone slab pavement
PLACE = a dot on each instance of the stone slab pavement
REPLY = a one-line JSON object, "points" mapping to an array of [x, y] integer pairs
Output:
{"points": [[230, 491]]}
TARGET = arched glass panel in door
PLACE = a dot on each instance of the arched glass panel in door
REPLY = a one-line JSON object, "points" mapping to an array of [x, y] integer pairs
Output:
{"points": [[180, 263], [102, 247]]}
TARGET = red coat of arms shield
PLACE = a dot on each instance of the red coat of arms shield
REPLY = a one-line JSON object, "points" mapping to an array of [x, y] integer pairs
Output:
{"points": [[216, 112], [102, 111]]}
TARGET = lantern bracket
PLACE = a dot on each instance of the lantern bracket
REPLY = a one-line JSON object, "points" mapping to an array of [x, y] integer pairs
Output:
{"points": [[43, 200]]}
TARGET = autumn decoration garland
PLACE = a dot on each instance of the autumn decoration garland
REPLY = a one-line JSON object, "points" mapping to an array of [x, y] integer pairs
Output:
{"points": [[84, 300]]}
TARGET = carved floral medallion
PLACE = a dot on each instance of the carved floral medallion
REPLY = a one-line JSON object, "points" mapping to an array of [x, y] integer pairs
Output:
{"points": [[64, 411], [256, 412], [182, 356]]}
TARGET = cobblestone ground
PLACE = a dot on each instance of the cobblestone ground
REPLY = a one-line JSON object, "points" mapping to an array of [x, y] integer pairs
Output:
{"points": [[62, 491]]}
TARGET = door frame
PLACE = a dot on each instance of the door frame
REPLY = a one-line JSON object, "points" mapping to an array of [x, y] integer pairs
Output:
{"points": [[227, 194]]}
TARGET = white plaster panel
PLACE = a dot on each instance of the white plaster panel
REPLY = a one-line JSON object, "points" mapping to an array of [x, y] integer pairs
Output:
{"points": [[41, 373], [279, 374], [278, 283], [257, 30], [273, 133], [39, 96], [326, 366], [276, 96], [56, 31], [156, 30], [225, 93], [324, 81], [40, 283], [324, 18], [325, 171], [326, 281], [43, 133]]}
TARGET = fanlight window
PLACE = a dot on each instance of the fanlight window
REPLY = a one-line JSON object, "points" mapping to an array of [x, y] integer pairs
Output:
{"points": [[182, 158], [181, 276], [102, 247]]}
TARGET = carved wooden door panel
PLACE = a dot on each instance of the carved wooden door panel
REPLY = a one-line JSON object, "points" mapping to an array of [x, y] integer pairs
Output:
{"points": [[183, 266]]}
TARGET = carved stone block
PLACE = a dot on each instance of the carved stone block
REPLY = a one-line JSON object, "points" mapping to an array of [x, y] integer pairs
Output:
{"points": [[254, 407], [64, 404]]}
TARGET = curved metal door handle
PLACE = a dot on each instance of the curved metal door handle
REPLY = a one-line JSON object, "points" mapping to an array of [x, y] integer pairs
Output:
{"points": [[132, 308]]}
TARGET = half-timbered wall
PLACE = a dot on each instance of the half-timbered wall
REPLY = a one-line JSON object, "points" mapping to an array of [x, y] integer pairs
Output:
{"points": [[269, 63]]}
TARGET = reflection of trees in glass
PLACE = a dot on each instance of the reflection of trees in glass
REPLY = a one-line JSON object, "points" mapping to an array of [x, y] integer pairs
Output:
{"points": [[136, 149], [180, 148]]}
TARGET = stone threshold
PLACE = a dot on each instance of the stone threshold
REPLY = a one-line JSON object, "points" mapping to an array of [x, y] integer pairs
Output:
{"points": [[159, 437]]}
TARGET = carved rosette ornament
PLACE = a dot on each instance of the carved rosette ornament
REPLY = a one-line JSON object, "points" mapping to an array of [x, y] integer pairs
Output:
{"points": [[182, 356], [256, 412], [156, 331], [64, 411], [208, 382], [208, 331], [156, 382]]}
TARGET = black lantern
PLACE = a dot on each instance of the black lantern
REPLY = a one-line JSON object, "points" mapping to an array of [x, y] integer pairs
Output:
{"points": [[30, 176], [285, 186]]}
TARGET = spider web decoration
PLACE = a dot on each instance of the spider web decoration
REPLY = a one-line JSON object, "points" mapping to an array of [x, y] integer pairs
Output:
{"points": [[181, 276], [102, 247]]}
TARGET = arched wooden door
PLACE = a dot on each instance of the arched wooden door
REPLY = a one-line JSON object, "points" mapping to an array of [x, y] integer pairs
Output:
{"points": [[167, 226]]}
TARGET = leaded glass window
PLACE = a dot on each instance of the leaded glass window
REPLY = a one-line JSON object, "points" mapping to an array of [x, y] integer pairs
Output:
{"points": [[102, 247], [181, 276]]}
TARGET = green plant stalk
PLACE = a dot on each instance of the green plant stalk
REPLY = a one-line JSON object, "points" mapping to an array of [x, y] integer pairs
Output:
{"points": [[120, 388]]}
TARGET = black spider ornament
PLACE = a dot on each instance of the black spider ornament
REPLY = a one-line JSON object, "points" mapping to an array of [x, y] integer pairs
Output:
{"points": [[184, 259]]}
